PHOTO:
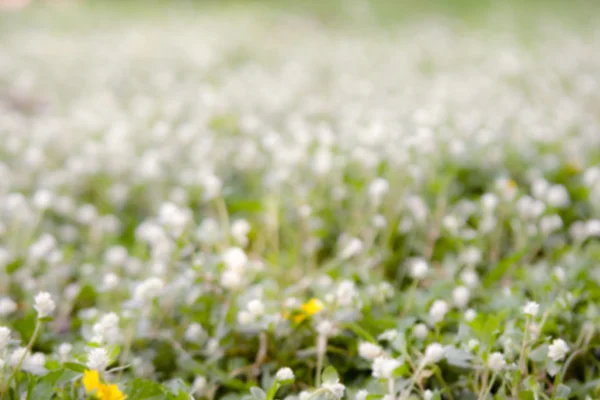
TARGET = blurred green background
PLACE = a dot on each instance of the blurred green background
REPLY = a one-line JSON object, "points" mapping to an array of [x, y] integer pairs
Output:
{"points": [[383, 13]]}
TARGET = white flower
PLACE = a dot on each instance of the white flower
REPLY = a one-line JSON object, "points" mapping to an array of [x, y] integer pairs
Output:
{"points": [[199, 384], [284, 374], [335, 388], [470, 278], [34, 363], [460, 296], [550, 224], [256, 307], [558, 196], [239, 231], [231, 279], [377, 189], [560, 274], [470, 315], [471, 256], [361, 395], [388, 335], [235, 259], [438, 310], [63, 351], [245, 317], [489, 201], [4, 337], [18, 355], [110, 281], [97, 359], [558, 350], [531, 308], [384, 367], [7, 307], [44, 305], [352, 248], [496, 362], [472, 344], [420, 331], [304, 395], [434, 353], [419, 269], [107, 329], [194, 332], [325, 328], [369, 350], [148, 289], [212, 186]]}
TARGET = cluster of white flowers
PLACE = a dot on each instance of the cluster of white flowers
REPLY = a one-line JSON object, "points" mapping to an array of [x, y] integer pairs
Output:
{"points": [[209, 195]]}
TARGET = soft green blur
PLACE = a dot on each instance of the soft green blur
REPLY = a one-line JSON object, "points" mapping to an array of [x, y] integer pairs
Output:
{"points": [[380, 13]]}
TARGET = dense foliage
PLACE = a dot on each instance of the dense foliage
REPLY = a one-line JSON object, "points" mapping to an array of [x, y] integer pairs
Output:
{"points": [[232, 206]]}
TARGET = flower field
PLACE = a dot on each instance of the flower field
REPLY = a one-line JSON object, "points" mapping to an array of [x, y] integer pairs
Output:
{"points": [[259, 205]]}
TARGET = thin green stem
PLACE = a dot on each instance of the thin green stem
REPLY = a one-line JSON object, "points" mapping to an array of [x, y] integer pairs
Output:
{"points": [[36, 332]]}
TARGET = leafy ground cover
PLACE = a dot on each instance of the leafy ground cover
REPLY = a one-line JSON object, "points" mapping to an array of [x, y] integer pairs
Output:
{"points": [[248, 204]]}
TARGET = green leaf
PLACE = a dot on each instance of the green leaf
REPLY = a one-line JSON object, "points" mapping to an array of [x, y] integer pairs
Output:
{"points": [[539, 354], [257, 393], [47, 384], [498, 271], [563, 391], [114, 352], [13, 266], [143, 389], [526, 395], [330, 375], [73, 366], [552, 368], [360, 332], [458, 357]]}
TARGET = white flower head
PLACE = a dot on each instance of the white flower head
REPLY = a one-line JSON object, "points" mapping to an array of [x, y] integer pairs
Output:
{"points": [[369, 351], [199, 384], [438, 310], [336, 389], [64, 349], [496, 362], [420, 331], [361, 395], [148, 289], [235, 259], [388, 335], [194, 332], [284, 375], [558, 349], [531, 308], [384, 367], [419, 268], [460, 296], [44, 305], [470, 315], [4, 337], [434, 353], [256, 307], [7, 307], [97, 359]]}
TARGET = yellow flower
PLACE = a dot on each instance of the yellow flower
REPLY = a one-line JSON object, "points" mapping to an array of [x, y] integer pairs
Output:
{"points": [[308, 309], [110, 392], [312, 307], [511, 184], [91, 381]]}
